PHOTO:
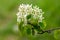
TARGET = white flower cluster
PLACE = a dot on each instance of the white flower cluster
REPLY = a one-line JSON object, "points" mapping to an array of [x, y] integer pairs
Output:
{"points": [[26, 9]]}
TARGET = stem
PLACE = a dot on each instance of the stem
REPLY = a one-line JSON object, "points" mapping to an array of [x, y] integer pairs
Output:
{"points": [[49, 31], [44, 31]]}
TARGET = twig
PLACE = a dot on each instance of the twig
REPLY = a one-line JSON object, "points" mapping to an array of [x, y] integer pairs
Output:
{"points": [[49, 31], [44, 31]]}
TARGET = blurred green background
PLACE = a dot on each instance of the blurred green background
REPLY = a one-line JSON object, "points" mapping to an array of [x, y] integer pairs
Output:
{"points": [[8, 24]]}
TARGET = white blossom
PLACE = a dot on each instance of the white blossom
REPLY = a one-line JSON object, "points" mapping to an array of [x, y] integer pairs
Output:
{"points": [[26, 9]]}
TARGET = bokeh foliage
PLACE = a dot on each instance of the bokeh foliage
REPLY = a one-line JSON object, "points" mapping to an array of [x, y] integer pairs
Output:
{"points": [[9, 8]]}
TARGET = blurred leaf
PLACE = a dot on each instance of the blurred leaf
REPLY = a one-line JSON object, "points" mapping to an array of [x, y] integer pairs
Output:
{"points": [[57, 34], [29, 16], [28, 31], [20, 25], [33, 32], [42, 24]]}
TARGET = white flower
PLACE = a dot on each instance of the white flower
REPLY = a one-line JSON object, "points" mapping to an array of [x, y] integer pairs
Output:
{"points": [[26, 9]]}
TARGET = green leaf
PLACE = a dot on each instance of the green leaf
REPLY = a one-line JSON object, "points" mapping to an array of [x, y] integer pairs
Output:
{"points": [[28, 31], [57, 34], [20, 26], [42, 24], [29, 16], [33, 32]]}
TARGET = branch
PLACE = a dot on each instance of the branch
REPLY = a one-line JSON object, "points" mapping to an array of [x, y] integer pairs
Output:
{"points": [[44, 31], [48, 31]]}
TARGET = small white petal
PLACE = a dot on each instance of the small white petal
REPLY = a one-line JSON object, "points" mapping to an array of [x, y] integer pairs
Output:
{"points": [[26, 9]]}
